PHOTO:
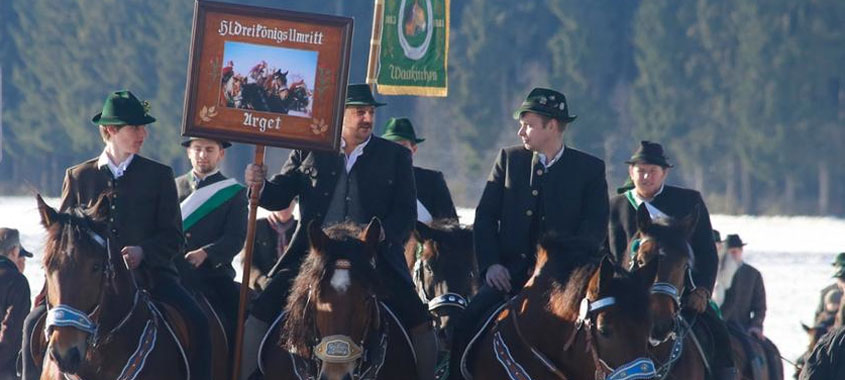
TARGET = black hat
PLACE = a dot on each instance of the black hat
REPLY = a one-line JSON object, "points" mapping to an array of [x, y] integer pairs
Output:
{"points": [[649, 153], [223, 143], [361, 95], [546, 102], [10, 237], [733, 241], [717, 237]]}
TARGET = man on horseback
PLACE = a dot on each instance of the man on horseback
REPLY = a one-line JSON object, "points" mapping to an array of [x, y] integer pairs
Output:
{"points": [[537, 188], [740, 293], [433, 198], [839, 272], [370, 177], [144, 221], [648, 169], [214, 213]]}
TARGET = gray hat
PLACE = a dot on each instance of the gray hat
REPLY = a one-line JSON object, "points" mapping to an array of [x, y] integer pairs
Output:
{"points": [[9, 237]]}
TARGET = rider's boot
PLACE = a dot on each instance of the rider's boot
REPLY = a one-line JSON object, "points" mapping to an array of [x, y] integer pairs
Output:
{"points": [[425, 346], [254, 331]]}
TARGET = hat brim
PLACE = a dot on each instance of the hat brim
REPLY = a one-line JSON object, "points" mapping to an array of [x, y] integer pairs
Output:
{"points": [[25, 253], [358, 103], [650, 161], [394, 137], [518, 113], [225, 144], [100, 120]]}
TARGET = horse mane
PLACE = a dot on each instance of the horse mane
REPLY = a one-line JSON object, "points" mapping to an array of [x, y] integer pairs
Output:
{"points": [[453, 231], [570, 265], [66, 232], [668, 231], [318, 266]]}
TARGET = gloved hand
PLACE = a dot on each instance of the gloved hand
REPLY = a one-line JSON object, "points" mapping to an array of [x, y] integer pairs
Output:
{"points": [[697, 300]]}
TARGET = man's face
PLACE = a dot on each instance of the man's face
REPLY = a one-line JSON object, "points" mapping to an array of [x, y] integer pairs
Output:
{"points": [[537, 132], [736, 253], [21, 263], [128, 139], [647, 178], [205, 155], [358, 124]]}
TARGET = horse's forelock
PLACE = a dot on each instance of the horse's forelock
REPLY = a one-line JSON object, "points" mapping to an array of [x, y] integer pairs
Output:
{"points": [[70, 234]]}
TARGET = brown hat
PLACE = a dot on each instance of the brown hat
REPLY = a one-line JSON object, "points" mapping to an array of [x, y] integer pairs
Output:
{"points": [[9, 237]]}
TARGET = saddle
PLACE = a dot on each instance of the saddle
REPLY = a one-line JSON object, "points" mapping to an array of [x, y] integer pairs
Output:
{"points": [[373, 355], [469, 351]]}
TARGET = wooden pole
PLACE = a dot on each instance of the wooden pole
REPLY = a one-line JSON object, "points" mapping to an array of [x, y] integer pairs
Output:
{"points": [[247, 264], [375, 43]]}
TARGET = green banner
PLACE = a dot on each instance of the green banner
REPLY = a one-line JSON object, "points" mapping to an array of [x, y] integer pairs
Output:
{"points": [[414, 48]]}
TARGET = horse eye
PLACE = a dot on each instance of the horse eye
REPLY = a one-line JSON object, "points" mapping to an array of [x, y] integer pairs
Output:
{"points": [[603, 330]]}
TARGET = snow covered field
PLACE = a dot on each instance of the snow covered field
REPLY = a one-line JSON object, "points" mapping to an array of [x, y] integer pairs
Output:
{"points": [[794, 255]]}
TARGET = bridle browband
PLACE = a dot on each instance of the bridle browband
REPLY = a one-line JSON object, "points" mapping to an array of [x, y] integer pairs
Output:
{"points": [[639, 368]]}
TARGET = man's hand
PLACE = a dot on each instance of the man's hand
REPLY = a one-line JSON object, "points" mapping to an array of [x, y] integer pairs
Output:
{"points": [[255, 175], [132, 256], [499, 278], [196, 258], [698, 299]]}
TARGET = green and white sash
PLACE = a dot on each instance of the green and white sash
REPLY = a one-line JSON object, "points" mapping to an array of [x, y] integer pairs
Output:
{"points": [[206, 199], [637, 201]]}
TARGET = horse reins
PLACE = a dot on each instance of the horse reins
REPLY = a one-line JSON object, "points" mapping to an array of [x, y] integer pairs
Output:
{"points": [[640, 368]]}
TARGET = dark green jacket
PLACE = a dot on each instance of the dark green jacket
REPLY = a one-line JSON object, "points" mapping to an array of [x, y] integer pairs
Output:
{"points": [[568, 199], [221, 233], [433, 193], [144, 208]]}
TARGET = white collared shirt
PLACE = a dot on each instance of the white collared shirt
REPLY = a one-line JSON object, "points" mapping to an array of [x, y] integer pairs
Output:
{"points": [[422, 213], [116, 170], [653, 211], [196, 178], [555, 159], [357, 152]]}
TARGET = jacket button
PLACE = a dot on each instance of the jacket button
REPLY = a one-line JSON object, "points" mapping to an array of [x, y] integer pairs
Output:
{"points": [[529, 212], [534, 192], [334, 173], [326, 194], [539, 171], [188, 235], [522, 255]]}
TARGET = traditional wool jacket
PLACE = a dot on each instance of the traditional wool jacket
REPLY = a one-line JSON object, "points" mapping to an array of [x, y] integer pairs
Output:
{"points": [[433, 193]]}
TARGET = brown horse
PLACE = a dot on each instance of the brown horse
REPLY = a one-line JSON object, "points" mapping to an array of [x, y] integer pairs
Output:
{"points": [[100, 325], [574, 319], [681, 347], [441, 259], [334, 327]]}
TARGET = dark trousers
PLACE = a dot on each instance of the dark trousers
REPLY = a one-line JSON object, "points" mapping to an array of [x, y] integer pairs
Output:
{"points": [[401, 298], [168, 290]]}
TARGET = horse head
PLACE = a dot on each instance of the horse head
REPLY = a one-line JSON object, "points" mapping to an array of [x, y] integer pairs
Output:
{"points": [[444, 270], [78, 274], [607, 307], [666, 241], [333, 308]]}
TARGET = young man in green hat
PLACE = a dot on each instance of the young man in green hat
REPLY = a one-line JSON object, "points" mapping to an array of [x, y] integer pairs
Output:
{"points": [[539, 187], [144, 218], [739, 292], [838, 274], [648, 168], [370, 177], [214, 214], [434, 201]]}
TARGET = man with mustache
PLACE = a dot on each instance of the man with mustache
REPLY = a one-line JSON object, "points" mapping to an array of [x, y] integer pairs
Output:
{"points": [[369, 177], [143, 217]]}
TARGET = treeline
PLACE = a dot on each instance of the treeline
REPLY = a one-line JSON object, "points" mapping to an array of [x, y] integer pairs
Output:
{"points": [[748, 97]]}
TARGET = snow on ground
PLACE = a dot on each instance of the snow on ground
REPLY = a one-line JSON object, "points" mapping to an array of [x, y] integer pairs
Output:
{"points": [[793, 254]]}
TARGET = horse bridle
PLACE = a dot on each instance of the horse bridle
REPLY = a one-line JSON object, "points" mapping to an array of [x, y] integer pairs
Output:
{"points": [[63, 315], [639, 368], [449, 299]]}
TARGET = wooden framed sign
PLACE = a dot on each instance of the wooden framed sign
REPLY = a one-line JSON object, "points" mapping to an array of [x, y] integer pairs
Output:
{"points": [[267, 76]]}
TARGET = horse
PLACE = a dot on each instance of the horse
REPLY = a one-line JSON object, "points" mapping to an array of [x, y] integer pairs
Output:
{"points": [[574, 319], [334, 327], [681, 347], [100, 324], [441, 259], [824, 360]]}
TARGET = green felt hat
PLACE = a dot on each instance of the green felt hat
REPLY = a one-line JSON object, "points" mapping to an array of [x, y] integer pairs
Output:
{"points": [[361, 95], [546, 102], [628, 185], [398, 129], [839, 261], [123, 108], [649, 153]]}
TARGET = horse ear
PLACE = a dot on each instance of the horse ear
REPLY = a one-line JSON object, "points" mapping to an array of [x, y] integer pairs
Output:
{"points": [[319, 240], [373, 234], [690, 221], [643, 218], [606, 273], [424, 230], [48, 214], [647, 273], [806, 328]]}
